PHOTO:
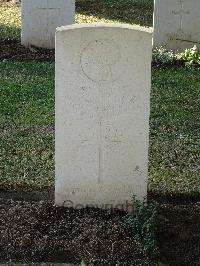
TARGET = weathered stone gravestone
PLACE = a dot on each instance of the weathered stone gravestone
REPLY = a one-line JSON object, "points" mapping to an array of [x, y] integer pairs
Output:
{"points": [[103, 79], [40, 18], [177, 24]]}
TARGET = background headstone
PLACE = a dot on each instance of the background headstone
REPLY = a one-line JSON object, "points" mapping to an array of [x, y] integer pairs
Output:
{"points": [[40, 18], [177, 24], [103, 79]]}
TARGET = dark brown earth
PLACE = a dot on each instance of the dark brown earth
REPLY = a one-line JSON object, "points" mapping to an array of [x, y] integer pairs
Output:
{"points": [[37, 231], [12, 49], [40, 232]]}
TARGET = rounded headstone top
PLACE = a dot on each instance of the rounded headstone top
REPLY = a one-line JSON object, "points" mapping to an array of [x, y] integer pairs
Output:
{"points": [[105, 25]]}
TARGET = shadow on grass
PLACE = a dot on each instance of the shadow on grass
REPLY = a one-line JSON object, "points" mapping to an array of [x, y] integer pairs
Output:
{"points": [[126, 11], [31, 194], [9, 32]]}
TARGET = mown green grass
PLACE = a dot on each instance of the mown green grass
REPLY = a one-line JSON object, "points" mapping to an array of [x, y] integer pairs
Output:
{"points": [[175, 131], [27, 124], [87, 11], [27, 127]]}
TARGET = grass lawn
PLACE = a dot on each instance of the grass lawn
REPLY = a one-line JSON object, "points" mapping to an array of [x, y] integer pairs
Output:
{"points": [[27, 110], [27, 127], [27, 124]]}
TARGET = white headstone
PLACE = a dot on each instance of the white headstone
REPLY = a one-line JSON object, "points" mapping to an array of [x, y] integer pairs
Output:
{"points": [[103, 79], [40, 18], [177, 24]]}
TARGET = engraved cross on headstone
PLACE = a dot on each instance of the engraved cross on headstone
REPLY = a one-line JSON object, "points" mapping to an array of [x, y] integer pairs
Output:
{"points": [[102, 141], [48, 8], [181, 13]]}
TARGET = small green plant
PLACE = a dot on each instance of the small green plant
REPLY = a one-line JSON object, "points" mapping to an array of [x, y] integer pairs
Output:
{"points": [[161, 56], [142, 225], [191, 57]]}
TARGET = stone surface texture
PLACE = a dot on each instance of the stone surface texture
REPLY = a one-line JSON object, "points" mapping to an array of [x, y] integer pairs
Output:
{"points": [[177, 24], [40, 18], [103, 79]]}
